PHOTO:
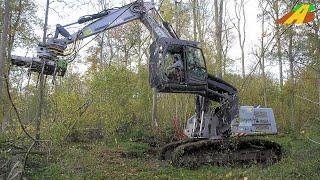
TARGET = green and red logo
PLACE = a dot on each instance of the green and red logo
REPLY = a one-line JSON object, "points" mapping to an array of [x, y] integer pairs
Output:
{"points": [[300, 14]]}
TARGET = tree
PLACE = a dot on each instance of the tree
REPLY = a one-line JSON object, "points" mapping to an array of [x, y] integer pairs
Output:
{"points": [[218, 20], [42, 79], [227, 40], [260, 53], [262, 57], [240, 26], [3, 58], [276, 6], [195, 11]]}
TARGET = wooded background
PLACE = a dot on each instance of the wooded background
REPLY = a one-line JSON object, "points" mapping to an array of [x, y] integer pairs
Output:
{"points": [[114, 93]]}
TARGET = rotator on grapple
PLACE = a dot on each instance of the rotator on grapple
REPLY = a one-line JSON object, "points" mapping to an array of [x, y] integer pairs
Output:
{"points": [[209, 130]]}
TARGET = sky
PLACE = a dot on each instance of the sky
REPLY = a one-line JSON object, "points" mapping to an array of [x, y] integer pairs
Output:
{"points": [[61, 13]]}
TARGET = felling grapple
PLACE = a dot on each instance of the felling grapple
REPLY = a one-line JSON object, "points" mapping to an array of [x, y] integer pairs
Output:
{"points": [[47, 62]]}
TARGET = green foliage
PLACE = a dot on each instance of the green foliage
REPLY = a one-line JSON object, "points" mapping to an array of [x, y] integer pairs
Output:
{"points": [[121, 99]]}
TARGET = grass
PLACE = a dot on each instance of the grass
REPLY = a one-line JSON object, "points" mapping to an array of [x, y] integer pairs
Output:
{"points": [[110, 160]]}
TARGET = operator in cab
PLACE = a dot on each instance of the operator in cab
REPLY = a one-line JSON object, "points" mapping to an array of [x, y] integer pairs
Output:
{"points": [[176, 69]]}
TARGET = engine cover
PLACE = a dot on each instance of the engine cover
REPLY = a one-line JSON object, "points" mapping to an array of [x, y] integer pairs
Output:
{"points": [[254, 121]]}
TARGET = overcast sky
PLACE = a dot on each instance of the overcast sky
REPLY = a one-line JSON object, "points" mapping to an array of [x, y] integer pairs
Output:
{"points": [[61, 13]]}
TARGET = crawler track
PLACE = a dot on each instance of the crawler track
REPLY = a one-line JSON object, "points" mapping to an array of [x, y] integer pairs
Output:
{"points": [[231, 152]]}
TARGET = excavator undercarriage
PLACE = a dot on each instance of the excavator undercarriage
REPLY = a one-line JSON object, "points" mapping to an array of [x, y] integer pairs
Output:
{"points": [[193, 153]]}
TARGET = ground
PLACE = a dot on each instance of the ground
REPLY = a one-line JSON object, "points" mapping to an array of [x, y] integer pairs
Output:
{"points": [[125, 159]]}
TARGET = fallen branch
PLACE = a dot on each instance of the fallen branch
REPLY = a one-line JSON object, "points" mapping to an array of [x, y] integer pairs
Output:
{"points": [[4, 165], [31, 152], [27, 154], [11, 175], [313, 141]]}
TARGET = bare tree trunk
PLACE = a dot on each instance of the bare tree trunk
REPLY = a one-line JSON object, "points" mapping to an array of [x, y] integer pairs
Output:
{"points": [[226, 37], [3, 59], [291, 80], [316, 26], [177, 19], [240, 27], [154, 104], [276, 9], [198, 22], [195, 19], [318, 92], [102, 65], [154, 108], [243, 40], [263, 60], [279, 56], [278, 39], [42, 80], [218, 8]]}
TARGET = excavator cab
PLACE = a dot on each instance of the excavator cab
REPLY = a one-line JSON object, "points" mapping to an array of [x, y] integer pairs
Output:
{"points": [[177, 66]]}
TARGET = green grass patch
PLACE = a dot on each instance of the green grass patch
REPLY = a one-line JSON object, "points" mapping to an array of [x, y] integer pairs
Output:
{"points": [[104, 160]]}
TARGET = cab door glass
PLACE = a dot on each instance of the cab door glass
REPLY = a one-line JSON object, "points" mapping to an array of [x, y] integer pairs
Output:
{"points": [[196, 66], [173, 67]]}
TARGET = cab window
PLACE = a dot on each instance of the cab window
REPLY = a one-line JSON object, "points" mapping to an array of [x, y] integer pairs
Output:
{"points": [[196, 66]]}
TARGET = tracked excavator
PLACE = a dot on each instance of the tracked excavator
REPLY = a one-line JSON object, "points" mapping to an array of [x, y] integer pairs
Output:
{"points": [[210, 131]]}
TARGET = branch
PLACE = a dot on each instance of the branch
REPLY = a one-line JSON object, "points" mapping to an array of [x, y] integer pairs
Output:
{"points": [[313, 141], [15, 109], [27, 154], [259, 61], [11, 176], [306, 99]]}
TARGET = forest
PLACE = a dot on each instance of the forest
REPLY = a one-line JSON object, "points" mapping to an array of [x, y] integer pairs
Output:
{"points": [[103, 120]]}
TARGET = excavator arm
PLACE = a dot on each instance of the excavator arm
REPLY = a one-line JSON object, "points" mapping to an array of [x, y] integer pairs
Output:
{"points": [[49, 61], [111, 18]]}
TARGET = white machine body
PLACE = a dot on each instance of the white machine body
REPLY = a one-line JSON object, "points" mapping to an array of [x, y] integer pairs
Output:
{"points": [[254, 121], [251, 121]]}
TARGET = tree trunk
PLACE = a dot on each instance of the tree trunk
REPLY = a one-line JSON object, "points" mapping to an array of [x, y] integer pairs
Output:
{"points": [[279, 54], [154, 104], [318, 92], [177, 18], [278, 39], [102, 64], [241, 30], [195, 19], [263, 61], [291, 79], [154, 108], [198, 23], [317, 33], [317, 55], [276, 9], [42, 80], [218, 8], [3, 59]]}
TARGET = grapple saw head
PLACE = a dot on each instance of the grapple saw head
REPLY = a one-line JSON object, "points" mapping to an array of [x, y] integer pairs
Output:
{"points": [[46, 62]]}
